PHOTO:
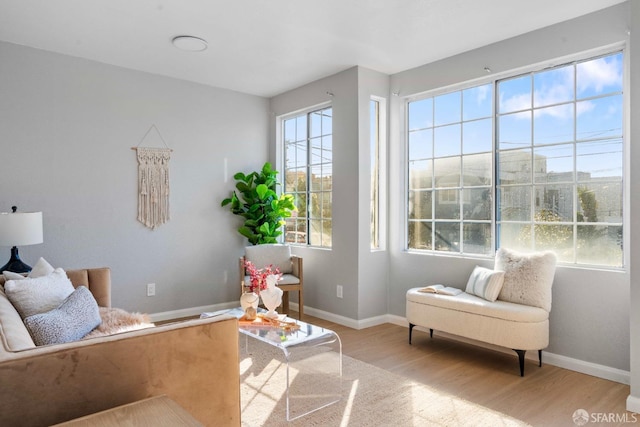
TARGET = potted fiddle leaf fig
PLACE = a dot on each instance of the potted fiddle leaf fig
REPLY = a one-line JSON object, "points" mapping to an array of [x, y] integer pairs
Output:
{"points": [[255, 199]]}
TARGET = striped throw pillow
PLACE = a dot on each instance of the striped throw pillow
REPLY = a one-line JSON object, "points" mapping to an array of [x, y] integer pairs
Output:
{"points": [[485, 283]]}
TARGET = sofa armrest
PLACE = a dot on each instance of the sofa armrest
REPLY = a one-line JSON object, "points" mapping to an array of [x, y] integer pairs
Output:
{"points": [[195, 363], [97, 280]]}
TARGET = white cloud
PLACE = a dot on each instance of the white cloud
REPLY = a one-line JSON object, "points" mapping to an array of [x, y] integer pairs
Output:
{"points": [[584, 107], [599, 73], [482, 93], [555, 86], [515, 103], [561, 112]]}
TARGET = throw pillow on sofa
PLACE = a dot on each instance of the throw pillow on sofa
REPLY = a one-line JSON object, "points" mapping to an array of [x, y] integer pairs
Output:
{"points": [[38, 295], [42, 268], [10, 275], [73, 319]]}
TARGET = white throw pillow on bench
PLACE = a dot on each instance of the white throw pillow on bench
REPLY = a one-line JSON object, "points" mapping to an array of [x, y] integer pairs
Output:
{"points": [[528, 277], [485, 283]]}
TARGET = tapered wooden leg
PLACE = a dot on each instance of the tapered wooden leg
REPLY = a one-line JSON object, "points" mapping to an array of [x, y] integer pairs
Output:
{"points": [[300, 304], [285, 302]]}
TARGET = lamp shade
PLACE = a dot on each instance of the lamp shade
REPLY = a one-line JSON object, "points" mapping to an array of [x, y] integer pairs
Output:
{"points": [[20, 228]]}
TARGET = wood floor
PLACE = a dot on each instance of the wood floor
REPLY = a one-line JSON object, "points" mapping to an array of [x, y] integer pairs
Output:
{"points": [[545, 396]]}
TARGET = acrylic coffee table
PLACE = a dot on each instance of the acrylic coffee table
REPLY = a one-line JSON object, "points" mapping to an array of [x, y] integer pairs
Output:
{"points": [[313, 357]]}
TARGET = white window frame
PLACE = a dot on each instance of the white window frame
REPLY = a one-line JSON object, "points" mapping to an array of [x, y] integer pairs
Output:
{"points": [[280, 162], [382, 173], [493, 79]]}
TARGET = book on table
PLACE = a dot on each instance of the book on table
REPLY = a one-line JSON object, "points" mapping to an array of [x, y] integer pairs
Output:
{"points": [[442, 290]]}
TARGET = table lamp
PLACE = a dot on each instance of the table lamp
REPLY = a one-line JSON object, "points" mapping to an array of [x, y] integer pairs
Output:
{"points": [[19, 229]]}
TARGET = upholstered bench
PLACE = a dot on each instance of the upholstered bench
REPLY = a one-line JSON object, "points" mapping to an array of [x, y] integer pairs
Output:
{"points": [[517, 317]]}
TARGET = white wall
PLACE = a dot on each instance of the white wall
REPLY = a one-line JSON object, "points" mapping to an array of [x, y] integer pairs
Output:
{"points": [[324, 269], [590, 315], [350, 262], [373, 266], [67, 126]]}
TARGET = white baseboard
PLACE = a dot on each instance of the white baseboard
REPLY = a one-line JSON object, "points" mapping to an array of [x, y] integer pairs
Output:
{"points": [[594, 369], [344, 321], [633, 404]]}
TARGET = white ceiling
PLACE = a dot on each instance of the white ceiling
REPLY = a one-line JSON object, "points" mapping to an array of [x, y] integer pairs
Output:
{"points": [[268, 47]]}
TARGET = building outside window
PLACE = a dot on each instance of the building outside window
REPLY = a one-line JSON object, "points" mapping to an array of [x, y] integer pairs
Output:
{"points": [[529, 162], [308, 176]]}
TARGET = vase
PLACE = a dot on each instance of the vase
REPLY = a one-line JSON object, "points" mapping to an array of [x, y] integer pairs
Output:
{"points": [[249, 299], [271, 298]]}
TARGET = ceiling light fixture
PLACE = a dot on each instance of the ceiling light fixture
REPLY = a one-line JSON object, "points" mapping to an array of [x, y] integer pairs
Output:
{"points": [[190, 43]]}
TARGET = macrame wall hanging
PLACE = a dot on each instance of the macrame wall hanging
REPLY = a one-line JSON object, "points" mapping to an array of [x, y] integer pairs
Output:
{"points": [[153, 182]]}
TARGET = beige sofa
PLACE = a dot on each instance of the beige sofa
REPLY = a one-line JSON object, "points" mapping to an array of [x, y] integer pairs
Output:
{"points": [[194, 362]]}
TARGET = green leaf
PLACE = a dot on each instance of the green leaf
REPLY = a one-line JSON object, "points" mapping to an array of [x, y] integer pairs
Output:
{"points": [[271, 183], [243, 187], [262, 190], [256, 200], [264, 229], [246, 232]]}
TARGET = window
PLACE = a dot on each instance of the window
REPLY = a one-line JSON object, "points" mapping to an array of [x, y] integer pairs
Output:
{"points": [[555, 141], [450, 179], [559, 161], [307, 142]]}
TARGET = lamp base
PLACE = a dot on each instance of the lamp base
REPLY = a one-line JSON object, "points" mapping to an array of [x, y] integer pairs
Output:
{"points": [[15, 264]]}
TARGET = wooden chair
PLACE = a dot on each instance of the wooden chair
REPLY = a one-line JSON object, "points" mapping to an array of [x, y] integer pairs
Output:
{"points": [[290, 266]]}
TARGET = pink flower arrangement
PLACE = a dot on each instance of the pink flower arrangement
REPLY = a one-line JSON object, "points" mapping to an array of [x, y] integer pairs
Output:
{"points": [[258, 277]]}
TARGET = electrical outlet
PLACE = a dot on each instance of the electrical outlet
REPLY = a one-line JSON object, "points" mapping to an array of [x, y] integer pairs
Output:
{"points": [[151, 289], [339, 291]]}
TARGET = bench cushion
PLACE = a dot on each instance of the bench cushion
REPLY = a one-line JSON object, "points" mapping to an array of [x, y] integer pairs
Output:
{"points": [[476, 305], [500, 323]]}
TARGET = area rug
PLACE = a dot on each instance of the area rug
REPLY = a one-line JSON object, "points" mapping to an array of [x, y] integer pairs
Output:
{"points": [[370, 397]]}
